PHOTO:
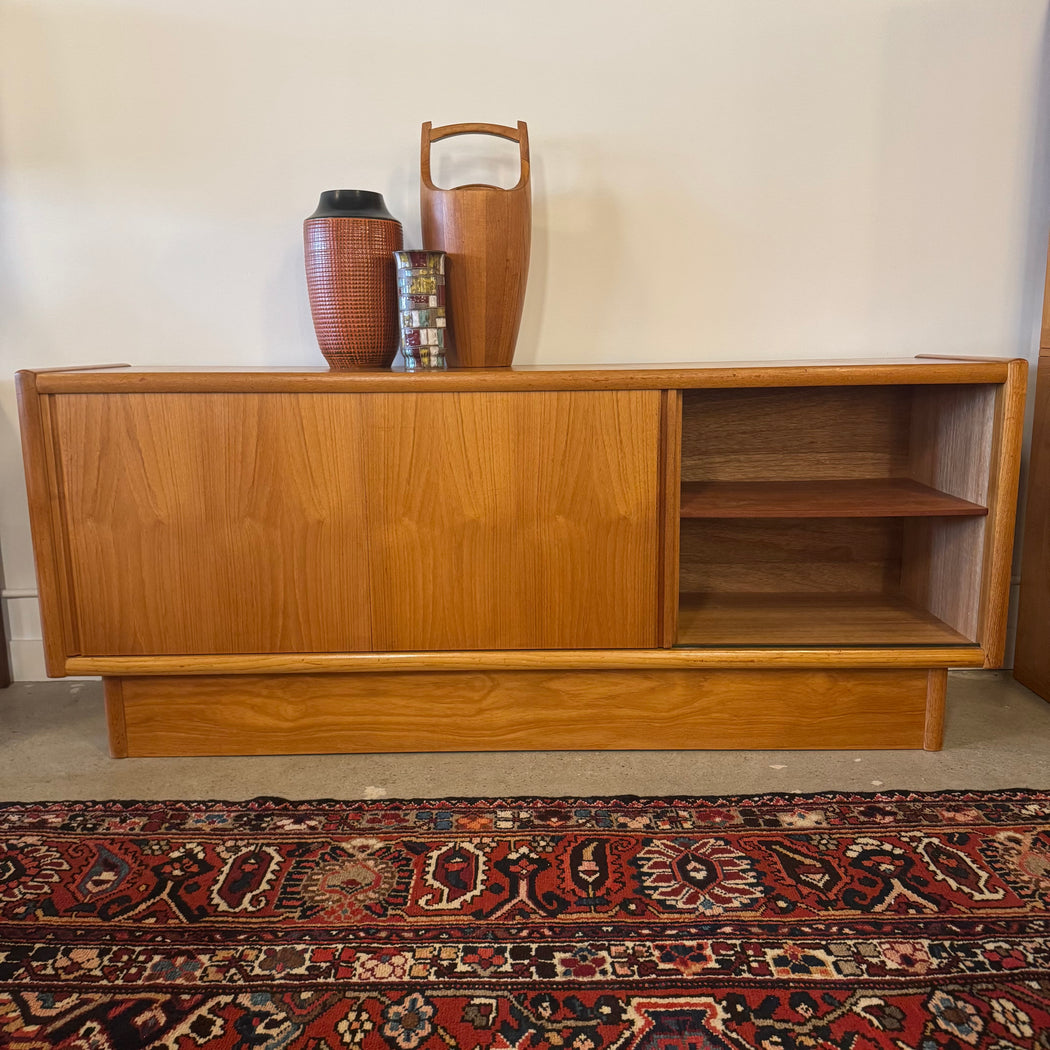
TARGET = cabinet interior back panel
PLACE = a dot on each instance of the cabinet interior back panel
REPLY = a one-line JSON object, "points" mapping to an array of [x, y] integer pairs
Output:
{"points": [[795, 433], [791, 555]]}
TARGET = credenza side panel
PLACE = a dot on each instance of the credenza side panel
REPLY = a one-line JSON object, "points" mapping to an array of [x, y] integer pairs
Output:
{"points": [[505, 520], [215, 523]]}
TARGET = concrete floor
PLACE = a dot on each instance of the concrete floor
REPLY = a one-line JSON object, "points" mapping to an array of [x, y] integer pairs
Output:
{"points": [[53, 746]]}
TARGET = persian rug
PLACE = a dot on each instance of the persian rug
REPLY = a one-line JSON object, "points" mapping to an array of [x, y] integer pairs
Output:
{"points": [[890, 921]]}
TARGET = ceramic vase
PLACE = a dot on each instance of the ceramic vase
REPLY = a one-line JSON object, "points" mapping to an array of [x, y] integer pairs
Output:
{"points": [[349, 243], [486, 232]]}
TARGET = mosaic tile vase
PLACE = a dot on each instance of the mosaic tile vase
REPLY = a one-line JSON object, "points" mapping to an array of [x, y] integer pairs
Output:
{"points": [[421, 308]]}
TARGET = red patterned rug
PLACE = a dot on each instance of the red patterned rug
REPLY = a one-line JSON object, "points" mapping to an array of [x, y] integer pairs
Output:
{"points": [[876, 922]]}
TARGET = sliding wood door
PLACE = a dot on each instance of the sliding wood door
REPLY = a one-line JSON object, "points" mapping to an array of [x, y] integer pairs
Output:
{"points": [[256, 523]]}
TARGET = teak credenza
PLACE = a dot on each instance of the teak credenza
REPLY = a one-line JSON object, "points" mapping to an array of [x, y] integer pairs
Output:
{"points": [[729, 556]]}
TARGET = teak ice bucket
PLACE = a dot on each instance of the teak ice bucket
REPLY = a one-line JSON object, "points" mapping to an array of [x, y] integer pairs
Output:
{"points": [[486, 231]]}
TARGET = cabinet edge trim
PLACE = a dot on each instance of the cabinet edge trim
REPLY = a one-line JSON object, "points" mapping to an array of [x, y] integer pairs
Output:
{"points": [[535, 660]]}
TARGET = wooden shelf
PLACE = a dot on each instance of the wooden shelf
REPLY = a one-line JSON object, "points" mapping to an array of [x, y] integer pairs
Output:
{"points": [[809, 619], [846, 498]]}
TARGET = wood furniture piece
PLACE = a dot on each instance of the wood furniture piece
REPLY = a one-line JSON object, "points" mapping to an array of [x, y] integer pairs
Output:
{"points": [[757, 555], [487, 233], [1032, 650]]}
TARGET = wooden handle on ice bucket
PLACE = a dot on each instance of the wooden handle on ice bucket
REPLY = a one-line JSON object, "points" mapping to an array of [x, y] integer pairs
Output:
{"points": [[520, 135]]}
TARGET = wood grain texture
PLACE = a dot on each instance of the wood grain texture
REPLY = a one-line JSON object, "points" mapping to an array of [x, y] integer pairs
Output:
{"points": [[707, 657], [486, 232], [115, 721], [794, 434], [63, 542], [1032, 652], [50, 550], [1002, 513], [952, 432], [790, 556], [449, 130], [812, 373], [854, 498], [438, 489], [937, 689], [466, 521], [216, 524], [952, 429], [670, 511], [941, 569], [525, 710], [807, 619], [503, 521]]}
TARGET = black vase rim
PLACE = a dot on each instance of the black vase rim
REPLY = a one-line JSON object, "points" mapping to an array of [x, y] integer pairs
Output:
{"points": [[351, 204]]}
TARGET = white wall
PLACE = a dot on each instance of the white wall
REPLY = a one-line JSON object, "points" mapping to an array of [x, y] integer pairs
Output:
{"points": [[713, 179]]}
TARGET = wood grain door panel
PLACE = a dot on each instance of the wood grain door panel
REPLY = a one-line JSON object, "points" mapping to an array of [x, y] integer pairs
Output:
{"points": [[256, 523], [514, 520], [215, 523], [586, 514]]}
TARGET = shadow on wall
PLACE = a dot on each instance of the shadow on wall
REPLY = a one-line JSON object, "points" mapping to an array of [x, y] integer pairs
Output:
{"points": [[583, 229], [286, 306], [1038, 202], [581, 273], [530, 334], [23, 344], [1035, 299], [624, 283], [938, 203], [575, 224]]}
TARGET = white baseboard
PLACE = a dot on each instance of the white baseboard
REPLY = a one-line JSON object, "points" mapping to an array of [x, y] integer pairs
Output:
{"points": [[22, 621], [27, 660], [22, 617]]}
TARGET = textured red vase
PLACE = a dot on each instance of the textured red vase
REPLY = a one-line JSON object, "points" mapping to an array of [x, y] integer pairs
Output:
{"points": [[349, 243]]}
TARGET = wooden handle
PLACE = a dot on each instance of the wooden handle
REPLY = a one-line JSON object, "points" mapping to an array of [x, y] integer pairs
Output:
{"points": [[499, 130], [520, 134]]}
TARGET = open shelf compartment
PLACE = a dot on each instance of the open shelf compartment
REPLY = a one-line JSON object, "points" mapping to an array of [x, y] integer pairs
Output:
{"points": [[834, 516], [821, 620]]}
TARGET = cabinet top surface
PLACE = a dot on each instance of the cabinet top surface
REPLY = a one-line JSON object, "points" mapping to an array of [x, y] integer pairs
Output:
{"points": [[651, 376]]}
